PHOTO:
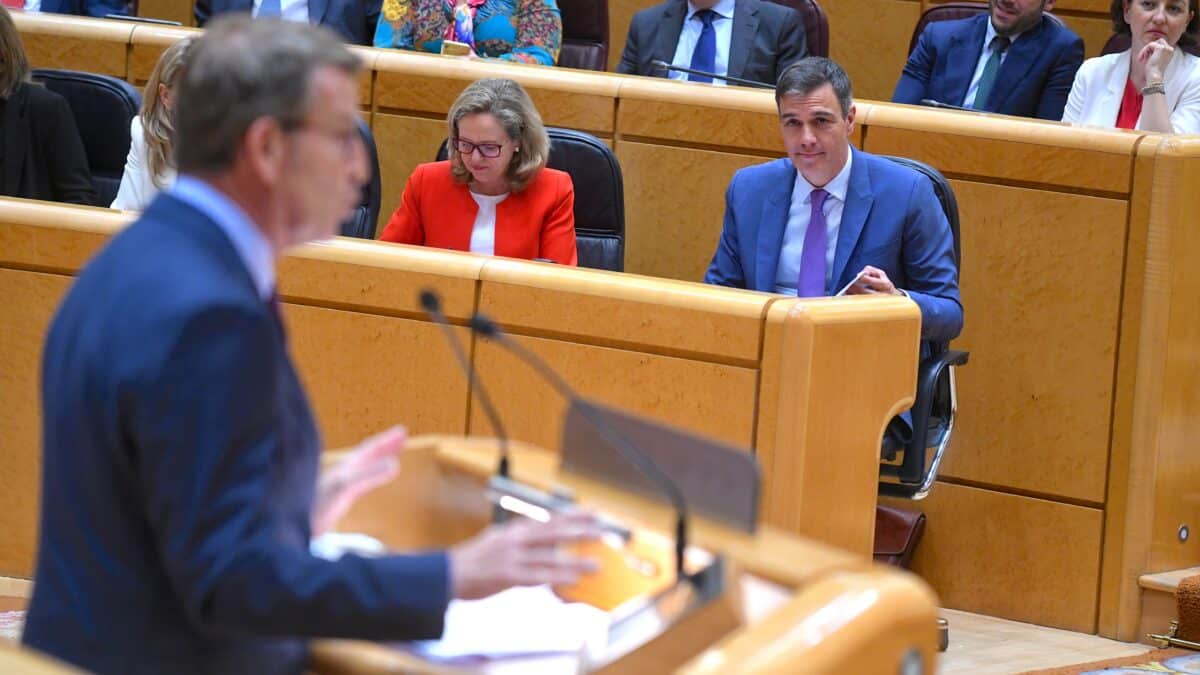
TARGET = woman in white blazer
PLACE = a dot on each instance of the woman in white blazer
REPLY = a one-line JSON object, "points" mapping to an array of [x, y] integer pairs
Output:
{"points": [[1152, 86], [149, 166]]}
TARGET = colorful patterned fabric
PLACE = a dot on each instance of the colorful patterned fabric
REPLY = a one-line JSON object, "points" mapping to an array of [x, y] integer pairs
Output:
{"points": [[525, 31]]}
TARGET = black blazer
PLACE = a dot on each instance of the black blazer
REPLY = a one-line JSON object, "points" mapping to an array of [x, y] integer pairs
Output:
{"points": [[43, 154], [766, 39], [354, 20]]}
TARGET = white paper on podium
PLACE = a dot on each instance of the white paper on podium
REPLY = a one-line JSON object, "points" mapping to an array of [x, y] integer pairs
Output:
{"points": [[518, 623]]}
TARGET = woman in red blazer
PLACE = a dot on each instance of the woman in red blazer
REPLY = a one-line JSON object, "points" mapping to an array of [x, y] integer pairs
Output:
{"points": [[495, 194]]}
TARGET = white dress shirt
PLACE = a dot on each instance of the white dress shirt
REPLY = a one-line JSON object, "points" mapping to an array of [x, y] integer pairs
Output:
{"points": [[984, 55], [787, 274], [292, 10], [247, 239], [137, 187], [33, 5], [690, 35], [483, 233]]}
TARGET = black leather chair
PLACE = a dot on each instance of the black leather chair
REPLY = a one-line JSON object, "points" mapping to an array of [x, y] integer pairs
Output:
{"points": [[362, 221], [103, 107], [584, 34], [904, 472], [599, 196], [1119, 42], [816, 26], [950, 11]]}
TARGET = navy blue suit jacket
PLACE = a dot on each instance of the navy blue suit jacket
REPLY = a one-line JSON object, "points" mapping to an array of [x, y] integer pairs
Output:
{"points": [[178, 474], [97, 8], [354, 20], [891, 220], [1033, 81]]}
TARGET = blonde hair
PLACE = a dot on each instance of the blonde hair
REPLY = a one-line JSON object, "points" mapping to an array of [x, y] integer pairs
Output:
{"points": [[510, 105], [14, 66], [158, 124]]}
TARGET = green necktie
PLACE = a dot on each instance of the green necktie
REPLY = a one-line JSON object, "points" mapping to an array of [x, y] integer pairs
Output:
{"points": [[990, 69]]}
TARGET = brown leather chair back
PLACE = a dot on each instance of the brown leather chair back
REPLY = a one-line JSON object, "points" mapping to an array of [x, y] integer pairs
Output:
{"points": [[1119, 42], [816, 26], [585, 34]]}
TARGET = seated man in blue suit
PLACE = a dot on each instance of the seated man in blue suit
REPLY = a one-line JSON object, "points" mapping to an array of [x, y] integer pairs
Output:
{"points": [[809, 225], [750, 39], [179, 481], [1014, 60], [354, 20]]}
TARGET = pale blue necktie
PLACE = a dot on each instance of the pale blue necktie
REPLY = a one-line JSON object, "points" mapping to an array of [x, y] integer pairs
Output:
{"points": [[704, 57], [270, 8], [812, 259]]}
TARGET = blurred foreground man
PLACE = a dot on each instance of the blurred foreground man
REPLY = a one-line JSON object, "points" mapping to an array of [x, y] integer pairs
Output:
{"points": [[180, 473]]}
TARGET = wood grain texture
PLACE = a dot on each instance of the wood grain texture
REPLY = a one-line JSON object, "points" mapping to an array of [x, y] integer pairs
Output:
{"points": [[674, 206], [1013, 557], [1037, 394], [58, 236], [819, 456], [620, 13], [168, 10], [869, 38], [691, 113], [29, 301], [1095, 29], [403, 142], [148, 43], [74, 43]]}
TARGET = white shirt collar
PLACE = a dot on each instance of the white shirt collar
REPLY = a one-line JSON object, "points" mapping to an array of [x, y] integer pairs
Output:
{"points": [[723, 7], [837, 187], [252, 247]]}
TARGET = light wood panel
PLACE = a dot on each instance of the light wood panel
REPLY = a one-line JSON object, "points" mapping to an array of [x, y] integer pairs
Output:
{"points": [[869, 38], [147, 44], [662, 184], [404, 142], [1095, 30], [694, 113], [74, 43], [1020, 428], [1045, 570], [168, 10], [29, 302]]}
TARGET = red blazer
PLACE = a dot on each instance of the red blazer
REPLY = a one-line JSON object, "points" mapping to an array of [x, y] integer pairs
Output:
{"points": [[537, 222]]}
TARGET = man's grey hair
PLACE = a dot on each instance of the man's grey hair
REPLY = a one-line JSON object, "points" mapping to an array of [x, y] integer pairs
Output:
{"points": [[809, 74], [241, 70]]}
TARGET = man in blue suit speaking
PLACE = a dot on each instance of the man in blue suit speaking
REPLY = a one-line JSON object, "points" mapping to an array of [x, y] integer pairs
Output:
{"points": [[829, 215], [1014, 60], [180, 482]]}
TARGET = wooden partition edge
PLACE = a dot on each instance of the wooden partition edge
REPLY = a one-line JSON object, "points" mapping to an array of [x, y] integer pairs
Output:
{"points": [[434, 65], [804, 358], [73, 26]]}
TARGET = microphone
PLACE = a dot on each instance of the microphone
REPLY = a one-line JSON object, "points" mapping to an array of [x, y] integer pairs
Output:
{"points": [[432, 304], [663, 65], [635, 456], [938, 104]]}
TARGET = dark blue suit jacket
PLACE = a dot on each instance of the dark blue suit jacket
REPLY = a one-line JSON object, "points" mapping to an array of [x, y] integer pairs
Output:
{"points": [[97, 8], [1033, 81], [891, 220], [354, 20], [178, 476]]}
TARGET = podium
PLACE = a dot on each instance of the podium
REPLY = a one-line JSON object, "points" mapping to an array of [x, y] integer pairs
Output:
{"points": [[784, 604]]}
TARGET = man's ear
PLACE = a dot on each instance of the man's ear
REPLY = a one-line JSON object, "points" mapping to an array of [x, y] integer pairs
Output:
{"points": [[850, 120], [1047, 5], [264, 148]]}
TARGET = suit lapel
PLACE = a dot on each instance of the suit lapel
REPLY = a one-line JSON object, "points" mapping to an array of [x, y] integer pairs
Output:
{"points": [[962, 58], [859, 199], [17, 129], [772, 225], [666, 38], [1114, 90], [1017, 63], [745, 24], [316, 11]]}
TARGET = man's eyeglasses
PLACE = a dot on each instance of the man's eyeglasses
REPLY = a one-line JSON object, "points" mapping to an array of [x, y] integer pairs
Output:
{"points": [[489, 150]]}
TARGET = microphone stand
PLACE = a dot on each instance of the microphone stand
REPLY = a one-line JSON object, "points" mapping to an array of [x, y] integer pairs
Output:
{"points": [[663, 65]]}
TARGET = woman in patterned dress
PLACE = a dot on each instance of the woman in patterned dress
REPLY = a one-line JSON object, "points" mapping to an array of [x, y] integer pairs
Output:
{"points": [[524, 31]]}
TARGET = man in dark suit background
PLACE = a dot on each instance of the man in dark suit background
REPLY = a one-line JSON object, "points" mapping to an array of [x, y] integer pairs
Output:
{"points": [[749, 39], [1014, 60], [811, 223], [180, 481], [354, 20]]}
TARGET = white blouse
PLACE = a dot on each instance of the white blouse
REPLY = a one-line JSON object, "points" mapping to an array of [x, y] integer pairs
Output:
{"points": [[483, 234], [137, 189]]}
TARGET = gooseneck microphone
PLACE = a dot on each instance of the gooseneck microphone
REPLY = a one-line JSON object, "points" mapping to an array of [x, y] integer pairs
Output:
{"points": [[938, 104], [663, 65], [632, 454], [432, 304]]}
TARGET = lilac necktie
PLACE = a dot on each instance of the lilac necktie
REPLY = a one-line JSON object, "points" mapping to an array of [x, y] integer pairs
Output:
{"points": [[812, 260]]}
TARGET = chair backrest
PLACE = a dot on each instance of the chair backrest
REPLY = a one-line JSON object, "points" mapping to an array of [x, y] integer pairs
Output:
{"points": [[362, 221], [1119, 42], [816, 26], [950, 11], [945, 196], [584, 34], [599, 205], [103, 107]]}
